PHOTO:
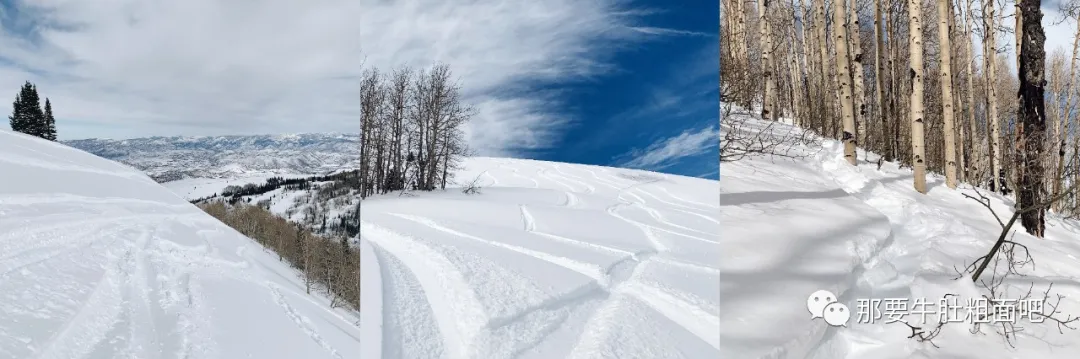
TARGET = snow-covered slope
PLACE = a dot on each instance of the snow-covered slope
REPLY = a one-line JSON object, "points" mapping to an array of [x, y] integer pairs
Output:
{"points": [[174, 158], [99, 261], [791, 227], [550, 260]]}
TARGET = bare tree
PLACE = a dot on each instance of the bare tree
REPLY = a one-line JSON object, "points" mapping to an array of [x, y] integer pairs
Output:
{"points": [[975, 150], [1062, 132], [370, 104], [412, 131], [990, 60], [843, 68], [858, 89], [916, 54], [945, 52], [823, 62], [879, 69], [768, 110]]}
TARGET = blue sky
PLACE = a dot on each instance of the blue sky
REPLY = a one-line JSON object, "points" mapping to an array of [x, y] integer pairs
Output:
{"points": [[661, 102], [607, 82]]}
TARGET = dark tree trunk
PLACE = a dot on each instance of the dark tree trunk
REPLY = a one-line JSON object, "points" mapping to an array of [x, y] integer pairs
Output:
{"points": [[1032, 117]]}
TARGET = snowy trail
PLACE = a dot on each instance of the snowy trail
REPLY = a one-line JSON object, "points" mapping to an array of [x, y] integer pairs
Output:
{"points": [[929, 241], [98, 261], [549, 261], [863, 232]]}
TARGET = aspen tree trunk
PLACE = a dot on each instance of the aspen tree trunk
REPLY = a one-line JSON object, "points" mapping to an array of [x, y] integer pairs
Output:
{"points": [[743, 47], [987, 130], [1018, 29], [975, 150], [916, 62], [797, 107], [879, 71], [958, 105], [1063, 124], [1018, 166], [823, 54], [808, 66], [894, 85], [1031, 115], [843, 67], [768, 104], [946, 91], [855, 37], [990, 59]]}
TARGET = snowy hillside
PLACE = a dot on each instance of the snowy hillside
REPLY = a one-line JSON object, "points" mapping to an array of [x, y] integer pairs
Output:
{"points": [[99, 261], [791, 227], [174, 158], [549, 260]]}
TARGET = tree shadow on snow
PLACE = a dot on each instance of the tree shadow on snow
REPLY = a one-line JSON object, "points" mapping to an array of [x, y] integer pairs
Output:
{"points": [[738, 199]]}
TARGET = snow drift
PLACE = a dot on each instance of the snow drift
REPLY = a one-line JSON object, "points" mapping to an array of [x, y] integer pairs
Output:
{"points": [[99, 261], [549, 260], [791, 227]]}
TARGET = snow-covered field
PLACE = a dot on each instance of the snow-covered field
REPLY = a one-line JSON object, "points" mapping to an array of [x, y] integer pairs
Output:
{"points": [[790, 227], [550, 260], [98, 261]]}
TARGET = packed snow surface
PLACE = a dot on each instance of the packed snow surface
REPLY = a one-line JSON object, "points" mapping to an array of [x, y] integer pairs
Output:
{"points": [[549, 260], [98, 261], [793, 226]]}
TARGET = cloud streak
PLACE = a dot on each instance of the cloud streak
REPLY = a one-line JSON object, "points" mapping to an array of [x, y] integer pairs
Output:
{"points": [[125, 68], [667, 152]]}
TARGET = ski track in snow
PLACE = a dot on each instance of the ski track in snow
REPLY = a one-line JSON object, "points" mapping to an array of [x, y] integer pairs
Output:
{"points": [[574, 322], [302, 322], [131, 292], [112, 265]]}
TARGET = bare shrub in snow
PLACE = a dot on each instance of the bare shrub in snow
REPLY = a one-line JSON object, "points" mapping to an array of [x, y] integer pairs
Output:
{"points": [[473, 187], [742, 136], [993, 273]]}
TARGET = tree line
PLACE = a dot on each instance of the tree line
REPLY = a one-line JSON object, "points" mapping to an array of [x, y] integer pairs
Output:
{"points": [[411, 134], [411, 138], [27, 115], [329, 264], [325, 191], [917, 93], [234, 192]]}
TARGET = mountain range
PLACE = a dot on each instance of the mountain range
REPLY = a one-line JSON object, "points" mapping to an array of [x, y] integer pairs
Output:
{"points": [[173, 158]]}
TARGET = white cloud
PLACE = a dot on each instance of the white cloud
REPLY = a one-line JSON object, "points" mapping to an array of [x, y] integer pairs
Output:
{"points": [[122, 68], [666, 152]]}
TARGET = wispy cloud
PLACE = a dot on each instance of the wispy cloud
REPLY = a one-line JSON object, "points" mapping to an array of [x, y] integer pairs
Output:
{"points": [[124, 68], [663, 31], [667, 152]]}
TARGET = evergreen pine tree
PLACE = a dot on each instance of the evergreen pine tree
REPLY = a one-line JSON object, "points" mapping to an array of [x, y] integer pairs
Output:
{"points": [[35, 116], [22, 115], [50, 122], [16, 118], [27, 116]]}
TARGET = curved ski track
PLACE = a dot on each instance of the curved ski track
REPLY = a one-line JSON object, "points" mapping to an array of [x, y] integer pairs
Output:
{"points": [[110, 286], [442, 316]]}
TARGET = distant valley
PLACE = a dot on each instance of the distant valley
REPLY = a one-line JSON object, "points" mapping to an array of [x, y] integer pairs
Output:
{"points": [[227, 157]]}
